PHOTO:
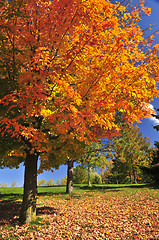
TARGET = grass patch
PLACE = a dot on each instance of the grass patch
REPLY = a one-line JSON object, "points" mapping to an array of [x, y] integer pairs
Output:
{"points": [[16, 193], [11, 193]]}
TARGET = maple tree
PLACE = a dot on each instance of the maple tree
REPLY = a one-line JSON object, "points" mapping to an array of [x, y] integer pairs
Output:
{"points": [[8, 82], [75, 63], [69, 185]]}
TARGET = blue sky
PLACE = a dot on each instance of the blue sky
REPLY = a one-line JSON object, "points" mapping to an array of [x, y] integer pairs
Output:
{"points": [[146, 126]]}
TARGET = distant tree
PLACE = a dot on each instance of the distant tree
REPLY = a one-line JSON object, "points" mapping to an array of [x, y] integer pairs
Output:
{"points": [[154, 168], [106, 173], [4, 185], [131, 151], [13, 184], [96, 178], [50, 182], [58, 182], [64, 181], [41, 182], [95, 155], [151, 172], [80, 175]]}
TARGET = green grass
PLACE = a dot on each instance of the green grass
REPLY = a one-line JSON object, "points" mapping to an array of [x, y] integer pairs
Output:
{"points": [[16, 193], [11, 193]]}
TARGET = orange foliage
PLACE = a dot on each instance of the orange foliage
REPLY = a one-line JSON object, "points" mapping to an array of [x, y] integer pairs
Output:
{"points": [[81, 61]]}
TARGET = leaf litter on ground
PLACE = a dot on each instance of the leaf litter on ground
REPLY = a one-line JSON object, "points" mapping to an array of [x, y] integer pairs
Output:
{"points": [[110, 214]]}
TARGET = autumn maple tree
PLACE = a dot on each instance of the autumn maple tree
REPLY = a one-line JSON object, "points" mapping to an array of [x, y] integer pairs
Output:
{"points": [[75, 63]]}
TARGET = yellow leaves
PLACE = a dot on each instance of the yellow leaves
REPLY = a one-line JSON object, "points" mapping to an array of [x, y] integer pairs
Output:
{"points": [[17, 152], [69, 92], [126, 16], [26, 133], [80, 66], [46, 112], [73, 109], [146, 10], [12, 153], [122, 9]]}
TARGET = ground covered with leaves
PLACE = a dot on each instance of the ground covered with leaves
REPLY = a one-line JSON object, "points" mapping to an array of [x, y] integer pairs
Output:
{"points": [[119, 213]]}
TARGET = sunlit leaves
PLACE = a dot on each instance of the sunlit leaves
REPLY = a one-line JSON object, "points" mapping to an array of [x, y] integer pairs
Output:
{"points": [[75, 64]]}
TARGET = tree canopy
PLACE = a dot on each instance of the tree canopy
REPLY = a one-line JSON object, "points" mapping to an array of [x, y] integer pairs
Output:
{"points": [[67, 67], [78, 62], [131, 151]]}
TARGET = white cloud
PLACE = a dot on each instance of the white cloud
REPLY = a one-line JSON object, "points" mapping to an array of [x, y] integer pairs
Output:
{"points": [[154, 120]]}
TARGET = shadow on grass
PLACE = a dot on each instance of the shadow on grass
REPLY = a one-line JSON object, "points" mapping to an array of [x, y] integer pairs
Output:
{"points": [[51, 194], [9, 212], [153, 185], [80, 189], [107, 187], [10, 196]]}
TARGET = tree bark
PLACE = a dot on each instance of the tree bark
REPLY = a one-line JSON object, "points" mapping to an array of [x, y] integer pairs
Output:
{"points": [[69, 188], [130, 177], [134, 175], [89, 175], [28, 209]]}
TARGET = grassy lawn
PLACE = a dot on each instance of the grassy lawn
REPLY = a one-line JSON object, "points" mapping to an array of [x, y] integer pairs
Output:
{"points": [[97, 212], [16, 193]]}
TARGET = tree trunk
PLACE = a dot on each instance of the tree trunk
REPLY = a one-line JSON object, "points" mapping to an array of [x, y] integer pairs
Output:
{"points": [[89, 176], [134, 175], [28, 209], [69, 188], [130, 177]]}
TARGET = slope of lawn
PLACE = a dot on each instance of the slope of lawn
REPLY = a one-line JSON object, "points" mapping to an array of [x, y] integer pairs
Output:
{"points": [[98, 212]]}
